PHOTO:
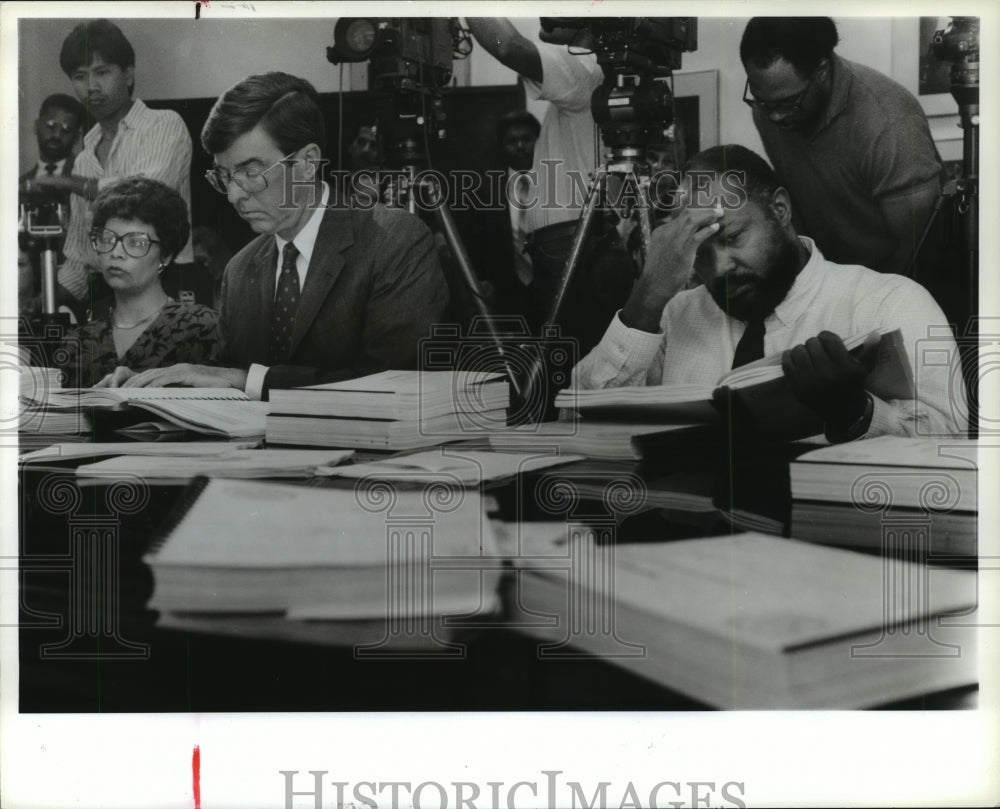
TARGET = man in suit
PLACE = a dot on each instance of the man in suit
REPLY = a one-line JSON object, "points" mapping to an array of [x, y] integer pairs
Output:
{"points": [[57, 129], [500, 227], [327, 291]]}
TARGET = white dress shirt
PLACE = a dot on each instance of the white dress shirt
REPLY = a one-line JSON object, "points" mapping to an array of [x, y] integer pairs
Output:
{"points": [[57, 167], [698, 340], [567, 138]]}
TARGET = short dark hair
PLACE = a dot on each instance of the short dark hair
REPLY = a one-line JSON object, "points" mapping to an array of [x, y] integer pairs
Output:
{"points": [[148, 201], [286, 107], [61, 101], [801, 41], [102, 37], [517, 118], [759, 179]]}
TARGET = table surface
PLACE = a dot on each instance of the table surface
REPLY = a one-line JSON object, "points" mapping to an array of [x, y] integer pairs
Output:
{"points": [[266, 663]]}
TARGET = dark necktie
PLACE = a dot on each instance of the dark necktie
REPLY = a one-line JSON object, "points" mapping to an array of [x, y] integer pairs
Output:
{"points": [[751, 344], [50, 169], [286, 302]]}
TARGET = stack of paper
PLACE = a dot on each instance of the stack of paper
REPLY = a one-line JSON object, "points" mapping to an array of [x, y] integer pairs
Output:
{"points": [[462, 467], [612, 441], [751, 621], [56, 453], [235, 463], [390, 410], [245, 546], [212, 411], [848, 494]]}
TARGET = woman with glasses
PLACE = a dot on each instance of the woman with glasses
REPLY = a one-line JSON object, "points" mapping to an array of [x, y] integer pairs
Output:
{"points": [[139, 226]]}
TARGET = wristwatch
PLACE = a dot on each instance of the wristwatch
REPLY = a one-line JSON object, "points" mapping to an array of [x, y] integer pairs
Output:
{"points": [[856, 429]]}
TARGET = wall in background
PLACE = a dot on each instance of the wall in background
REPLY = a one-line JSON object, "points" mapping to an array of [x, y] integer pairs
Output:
{"points": [[199, 59]]}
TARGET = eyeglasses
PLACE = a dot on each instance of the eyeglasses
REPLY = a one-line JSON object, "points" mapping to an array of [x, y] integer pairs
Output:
{"points": [[55, 126], [135, 245], [787, 105], [251, 180]]}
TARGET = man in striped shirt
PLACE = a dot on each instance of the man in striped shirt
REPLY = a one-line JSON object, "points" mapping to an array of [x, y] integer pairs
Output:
{"points": [[129, 139]]}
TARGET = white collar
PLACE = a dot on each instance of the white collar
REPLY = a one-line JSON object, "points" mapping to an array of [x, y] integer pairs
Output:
{"points": [[58, 166], [305, 239], [799, 298]]}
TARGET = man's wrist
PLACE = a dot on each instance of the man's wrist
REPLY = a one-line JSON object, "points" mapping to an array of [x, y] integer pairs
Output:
{"points": [[641, 317], [644, 309], [854, 425]]}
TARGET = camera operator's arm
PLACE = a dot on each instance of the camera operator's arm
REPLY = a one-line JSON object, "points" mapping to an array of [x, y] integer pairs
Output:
{"points": [[630, 348], [507, 45]]}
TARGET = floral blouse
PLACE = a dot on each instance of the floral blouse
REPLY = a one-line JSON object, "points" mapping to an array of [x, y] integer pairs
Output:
{"points": [[182, 332]]}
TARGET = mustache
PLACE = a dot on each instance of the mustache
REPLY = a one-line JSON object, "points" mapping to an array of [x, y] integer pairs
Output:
{"points": [[734, 279]]}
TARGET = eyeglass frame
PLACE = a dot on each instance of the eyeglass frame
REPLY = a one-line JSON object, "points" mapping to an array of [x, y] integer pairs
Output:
{"points": [[93, 233], [213, 172], [54, 126], [792, 103]]}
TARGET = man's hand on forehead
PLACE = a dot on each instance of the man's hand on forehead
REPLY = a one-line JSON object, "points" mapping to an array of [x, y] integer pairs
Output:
{"points": [[686, 203]]}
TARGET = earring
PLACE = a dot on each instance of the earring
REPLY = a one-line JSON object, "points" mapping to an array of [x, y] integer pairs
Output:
{"points": [[162, 268]]}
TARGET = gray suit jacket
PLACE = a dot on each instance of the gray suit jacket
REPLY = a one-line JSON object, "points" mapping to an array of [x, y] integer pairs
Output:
{"points": [[372, 291]]}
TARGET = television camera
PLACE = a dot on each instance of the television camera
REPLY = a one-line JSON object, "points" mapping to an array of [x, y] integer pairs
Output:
{"points": [[410, 62], [631, 107]]}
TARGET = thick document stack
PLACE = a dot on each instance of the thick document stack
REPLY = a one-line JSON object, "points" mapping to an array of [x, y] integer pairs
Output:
{"points": [[889, 490], [601, 440], [757, 622], [237, 547], [35, 379], [758, 388], [222, 412], [392, 410], [38, 423]]}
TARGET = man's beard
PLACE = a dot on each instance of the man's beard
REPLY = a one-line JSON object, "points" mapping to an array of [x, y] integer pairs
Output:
{"points": [[756, 297]]}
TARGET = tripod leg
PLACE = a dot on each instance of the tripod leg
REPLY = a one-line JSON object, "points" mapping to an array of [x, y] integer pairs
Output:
{"points": [[454, 240], [644, 212], [49, 279], [579, 239]]}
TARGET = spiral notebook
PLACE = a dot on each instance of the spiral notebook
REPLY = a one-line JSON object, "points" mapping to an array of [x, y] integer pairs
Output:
{"points": [[223, 412]]}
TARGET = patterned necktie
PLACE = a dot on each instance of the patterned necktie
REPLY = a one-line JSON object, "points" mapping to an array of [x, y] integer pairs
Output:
{"points": [[286, 303], [50, 169], [751, 344]]}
